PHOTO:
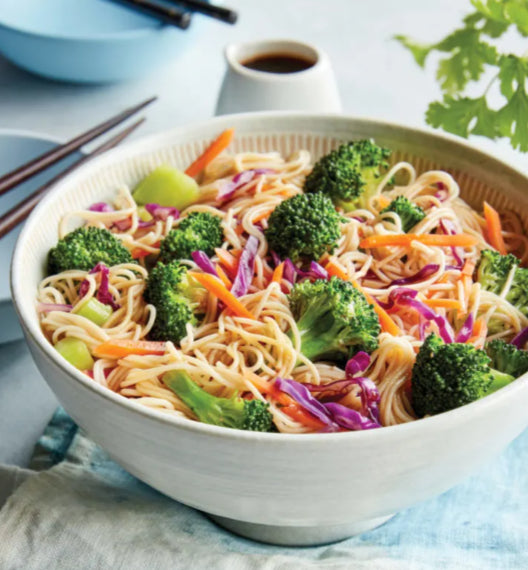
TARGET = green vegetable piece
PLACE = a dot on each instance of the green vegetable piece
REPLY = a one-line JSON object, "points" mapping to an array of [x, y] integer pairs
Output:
{"points": [[177, 299], [167, 186], [409, 213], [95, 311], [447, 376], [84, 248], [75, 352], [143, 214], [199, 231], [304, 227], [235, 412], [350, 174], [507, 358], [335, 320]]}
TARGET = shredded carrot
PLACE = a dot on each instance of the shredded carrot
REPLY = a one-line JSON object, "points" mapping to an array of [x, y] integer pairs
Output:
{"points": [[383, 201], [469, 267], [239, 230], [286, 193], [217, 288], [119, 348], [262, 216], [494, 229], [387, 324], [223, 276], [227, 259], [335, 270], [458, 240], [277, 273], [138, 253], [479, 333], [444, 303], [211, 152]]}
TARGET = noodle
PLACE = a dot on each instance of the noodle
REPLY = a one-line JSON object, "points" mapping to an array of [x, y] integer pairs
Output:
{"points": [[225, 352]]}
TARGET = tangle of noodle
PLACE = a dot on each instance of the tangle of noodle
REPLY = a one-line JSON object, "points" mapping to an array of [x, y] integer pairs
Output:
{"points": [[224, 353]]}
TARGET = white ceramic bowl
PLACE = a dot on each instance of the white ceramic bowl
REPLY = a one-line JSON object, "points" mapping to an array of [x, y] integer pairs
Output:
{"points": [[288, 489]]}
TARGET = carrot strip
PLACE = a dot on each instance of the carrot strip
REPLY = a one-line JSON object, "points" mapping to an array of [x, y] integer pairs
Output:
{"points": [[480, 331], [458, 240], [216, 288], [227, 259], [211, 152], [119, 348], [223, 276], [494, 229], [262, 216], [277, 273], [336, 270], [138, 253], [469, 267], [444, 303], [383, 201]]}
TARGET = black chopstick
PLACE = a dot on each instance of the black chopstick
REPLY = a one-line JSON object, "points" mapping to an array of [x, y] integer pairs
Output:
{"points": [[220, 13], [21, 211], [22, 173], [172, 16]]}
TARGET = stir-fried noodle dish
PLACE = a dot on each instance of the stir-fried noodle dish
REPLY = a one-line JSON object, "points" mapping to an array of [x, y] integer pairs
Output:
{"points": [[270, 293]]}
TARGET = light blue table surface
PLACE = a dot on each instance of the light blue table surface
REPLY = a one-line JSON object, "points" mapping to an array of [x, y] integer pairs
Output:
{"points": [[376, 78]]}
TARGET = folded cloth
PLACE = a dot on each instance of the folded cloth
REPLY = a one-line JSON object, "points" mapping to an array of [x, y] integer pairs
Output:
{"points": [[77, 509]]}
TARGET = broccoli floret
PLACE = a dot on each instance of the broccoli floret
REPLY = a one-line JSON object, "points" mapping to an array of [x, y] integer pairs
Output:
{"points": [[493, 269], [350, 174], [84, 248], [447, 376], [235, 412], [507, 358], [492, 272], [409, 213], [198, 231], [335, 320], [176, 299], [305, 226]]}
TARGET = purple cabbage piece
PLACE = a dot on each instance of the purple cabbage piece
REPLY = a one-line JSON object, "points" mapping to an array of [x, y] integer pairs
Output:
{"points": [[291, 271], [520, 339], [101, 207], [103, 294], [242, 178], [246, 268], [466, 330], [369, 393], [350, 419], [358, 363], [331, 391], [48, 307], [424, 273], [407, 297], [334, 416], [159, 212], [449, 229], [318, 271], [204, 263]]}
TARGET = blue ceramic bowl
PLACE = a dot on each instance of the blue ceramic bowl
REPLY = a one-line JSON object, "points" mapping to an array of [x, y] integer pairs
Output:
{"points": [[87, 41]]}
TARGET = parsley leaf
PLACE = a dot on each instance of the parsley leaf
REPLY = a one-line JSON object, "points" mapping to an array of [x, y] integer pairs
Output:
{"points": [[463, 116], [418, 51]]}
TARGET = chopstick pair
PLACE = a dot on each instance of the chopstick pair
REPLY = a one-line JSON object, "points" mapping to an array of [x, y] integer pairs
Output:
{"points": [[176, 16], [20, 211]]}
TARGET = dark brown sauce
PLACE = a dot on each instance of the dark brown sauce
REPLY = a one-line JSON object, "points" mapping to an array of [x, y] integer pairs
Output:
{"points": [[278, 63]]}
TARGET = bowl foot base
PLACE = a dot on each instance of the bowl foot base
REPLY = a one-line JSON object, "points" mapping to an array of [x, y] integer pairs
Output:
{"points": [[298, 535]]}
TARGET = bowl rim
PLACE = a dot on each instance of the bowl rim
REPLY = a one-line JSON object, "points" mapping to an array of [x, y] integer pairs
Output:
{"points": [[124, 35], [32, 328]]}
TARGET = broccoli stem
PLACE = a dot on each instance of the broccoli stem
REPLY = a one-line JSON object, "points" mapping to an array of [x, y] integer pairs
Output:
{"points": [[500, 379], [207, 408]]}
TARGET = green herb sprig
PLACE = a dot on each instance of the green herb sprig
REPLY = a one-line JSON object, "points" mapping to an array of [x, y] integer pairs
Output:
{"points": [[470, 50]]}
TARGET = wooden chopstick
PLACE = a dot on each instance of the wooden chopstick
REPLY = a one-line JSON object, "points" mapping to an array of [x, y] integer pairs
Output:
{"points": [[19, 175], [218, 12], [21, 211], [172, 16]]}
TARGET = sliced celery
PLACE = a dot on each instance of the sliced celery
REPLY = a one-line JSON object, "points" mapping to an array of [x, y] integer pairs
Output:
{"points": [[75, 352], [167, 186], [96, 311]]}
